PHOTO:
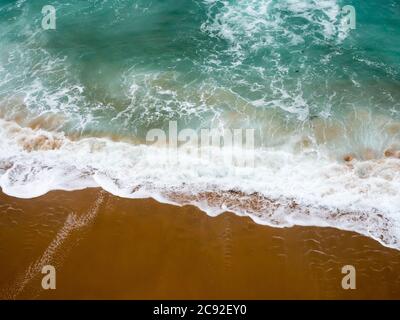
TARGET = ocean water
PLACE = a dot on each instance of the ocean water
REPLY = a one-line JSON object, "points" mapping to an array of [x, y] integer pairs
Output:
{"points": [[77, 102]]}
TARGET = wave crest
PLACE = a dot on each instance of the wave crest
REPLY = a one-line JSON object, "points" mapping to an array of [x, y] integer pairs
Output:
{"points": [[282, 189]]}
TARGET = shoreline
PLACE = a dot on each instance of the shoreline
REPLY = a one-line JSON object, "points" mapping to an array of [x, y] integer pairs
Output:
{"points": [[106, 247], [282, 190]]}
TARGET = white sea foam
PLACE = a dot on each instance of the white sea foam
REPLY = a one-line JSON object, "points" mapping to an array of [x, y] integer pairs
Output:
{"points": [[254, 29], [282, 189], [244, 23]]}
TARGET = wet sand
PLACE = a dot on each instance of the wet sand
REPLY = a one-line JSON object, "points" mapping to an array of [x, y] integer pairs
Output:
{"points": [[105, 247]]}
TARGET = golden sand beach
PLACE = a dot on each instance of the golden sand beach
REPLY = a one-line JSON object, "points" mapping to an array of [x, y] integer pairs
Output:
{"points": [[105, 247]]}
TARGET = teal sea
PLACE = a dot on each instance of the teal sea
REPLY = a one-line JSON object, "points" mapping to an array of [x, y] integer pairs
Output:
{"points": [[77, 101]]}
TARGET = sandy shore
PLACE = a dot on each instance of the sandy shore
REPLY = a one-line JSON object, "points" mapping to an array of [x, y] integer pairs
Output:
{"points": [[105, 247]]}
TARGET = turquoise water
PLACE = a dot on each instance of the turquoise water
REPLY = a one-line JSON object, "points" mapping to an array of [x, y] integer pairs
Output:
{"points": [[324, 101], [142, 63]]}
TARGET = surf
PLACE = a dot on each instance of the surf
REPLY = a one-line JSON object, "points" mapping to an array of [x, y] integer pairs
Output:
{"points": [[322, 100]]}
